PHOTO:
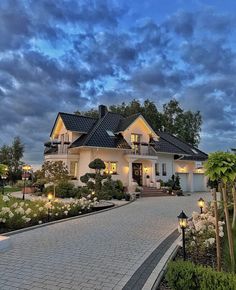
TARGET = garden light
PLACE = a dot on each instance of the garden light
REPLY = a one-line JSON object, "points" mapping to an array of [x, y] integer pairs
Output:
{"points": [[201, 203], [183, 224], [50, 196], [25, 176], [4, 177]]}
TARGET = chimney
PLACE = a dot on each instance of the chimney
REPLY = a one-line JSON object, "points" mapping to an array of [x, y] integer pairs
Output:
{"points": [[102, 110]]}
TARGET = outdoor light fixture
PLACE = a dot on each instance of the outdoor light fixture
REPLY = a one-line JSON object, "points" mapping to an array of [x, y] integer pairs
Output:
{"points": [[145, 170], [4, 177], [183, 219], [201, 203], [25, 176], [50, 197]]}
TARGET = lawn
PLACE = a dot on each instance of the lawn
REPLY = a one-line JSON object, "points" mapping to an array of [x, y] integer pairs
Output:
{"points": [[10, 189]]}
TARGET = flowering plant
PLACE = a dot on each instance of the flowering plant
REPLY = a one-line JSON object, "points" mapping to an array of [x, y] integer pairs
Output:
{"points": [[201, 231], [15, 213]]}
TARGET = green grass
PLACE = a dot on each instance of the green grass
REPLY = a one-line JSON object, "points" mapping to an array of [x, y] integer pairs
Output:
{"points": [[10, 189], [225, 250]]}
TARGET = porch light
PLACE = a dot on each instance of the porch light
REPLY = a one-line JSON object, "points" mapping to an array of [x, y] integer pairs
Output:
{"points": [[145, 170], [201, 204], [183, 224], [50, 197]]}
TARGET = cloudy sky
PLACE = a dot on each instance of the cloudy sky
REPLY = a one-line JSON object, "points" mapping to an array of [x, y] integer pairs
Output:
{"points": [[75, 54]]}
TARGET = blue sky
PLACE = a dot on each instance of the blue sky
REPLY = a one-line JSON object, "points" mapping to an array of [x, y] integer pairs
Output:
{"points": [[72, 55]]}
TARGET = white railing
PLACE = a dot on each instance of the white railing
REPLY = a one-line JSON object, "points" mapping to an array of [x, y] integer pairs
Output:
{"points": [[142, 150]]}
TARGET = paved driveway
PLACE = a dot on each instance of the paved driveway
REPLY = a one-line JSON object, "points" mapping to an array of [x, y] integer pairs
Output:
{"points": [[101, 251]]}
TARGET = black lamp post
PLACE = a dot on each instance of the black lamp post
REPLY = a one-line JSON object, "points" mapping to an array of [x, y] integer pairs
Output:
{"points": [[4, 177], [201, 203], [25, 176], [183, 224], [50, 197]]}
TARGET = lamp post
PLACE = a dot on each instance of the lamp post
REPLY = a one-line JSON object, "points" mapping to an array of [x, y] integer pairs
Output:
{"points": [[4, 177], [50, 197], [25, 176], [183, 224], [201, 203]]}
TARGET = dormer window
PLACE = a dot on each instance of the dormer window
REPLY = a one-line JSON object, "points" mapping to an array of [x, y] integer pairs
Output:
{"points": [[110, 133]]}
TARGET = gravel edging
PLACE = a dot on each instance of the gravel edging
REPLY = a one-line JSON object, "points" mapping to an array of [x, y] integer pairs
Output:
{"points": [[62, 220]]}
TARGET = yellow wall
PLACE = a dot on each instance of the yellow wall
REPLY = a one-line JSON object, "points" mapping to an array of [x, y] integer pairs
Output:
{"points": [[138, 127]]}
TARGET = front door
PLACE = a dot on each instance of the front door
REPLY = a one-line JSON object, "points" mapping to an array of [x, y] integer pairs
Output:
{"points": [[137, 172]]}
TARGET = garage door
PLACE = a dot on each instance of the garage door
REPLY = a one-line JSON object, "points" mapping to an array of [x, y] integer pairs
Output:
{"points": [[198, 182], [184, 181]]}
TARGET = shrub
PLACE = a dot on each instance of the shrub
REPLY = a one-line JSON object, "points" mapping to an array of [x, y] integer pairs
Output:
{"points": [[183, 275], [65, 189]]}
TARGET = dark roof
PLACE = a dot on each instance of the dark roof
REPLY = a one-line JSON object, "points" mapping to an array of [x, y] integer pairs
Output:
{"points": [[76, 123], [126, 122], [190, 152], [98, 136]]}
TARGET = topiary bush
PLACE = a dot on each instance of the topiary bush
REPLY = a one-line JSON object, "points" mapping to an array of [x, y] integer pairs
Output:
{"points": [[182, 275]]}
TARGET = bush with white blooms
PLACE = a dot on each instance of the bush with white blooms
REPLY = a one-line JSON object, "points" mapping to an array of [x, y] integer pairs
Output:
{"points": [[201, 231], [16, 214]]}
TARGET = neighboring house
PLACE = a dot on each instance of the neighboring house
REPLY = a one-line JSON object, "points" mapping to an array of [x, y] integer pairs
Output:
{"points": [[130, 148]]}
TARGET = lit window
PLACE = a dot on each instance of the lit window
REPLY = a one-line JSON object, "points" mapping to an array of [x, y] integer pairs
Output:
{"points": [[135, 143], [110, 167], [73, 168], [106, 170], [157, 169], [163, 169]]}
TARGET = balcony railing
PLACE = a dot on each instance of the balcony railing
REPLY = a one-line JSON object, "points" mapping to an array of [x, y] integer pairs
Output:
{"points": [[142, 150]]}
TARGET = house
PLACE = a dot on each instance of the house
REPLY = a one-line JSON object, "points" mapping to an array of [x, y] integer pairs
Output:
{"points": [[130, 148]]}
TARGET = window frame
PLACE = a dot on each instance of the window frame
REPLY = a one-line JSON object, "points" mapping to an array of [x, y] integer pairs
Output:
{"points": [[108, 167], [164, 169]]}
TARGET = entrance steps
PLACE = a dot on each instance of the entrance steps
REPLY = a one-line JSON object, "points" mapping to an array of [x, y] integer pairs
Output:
{"points": [[152, 192]]}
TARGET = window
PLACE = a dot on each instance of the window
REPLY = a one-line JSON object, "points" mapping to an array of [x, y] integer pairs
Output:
{"points": [[110, 133], [157, 169], [110, 167], [135, 143], [163, 169], [73, 168]]}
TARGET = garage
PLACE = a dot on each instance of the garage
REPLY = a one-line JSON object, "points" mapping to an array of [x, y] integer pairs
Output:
{"points": [[199, 182], [184, 181]]}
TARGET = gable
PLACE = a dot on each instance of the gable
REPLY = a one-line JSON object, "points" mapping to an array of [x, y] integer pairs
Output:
{"points": [[140, 126], [58, 128]]}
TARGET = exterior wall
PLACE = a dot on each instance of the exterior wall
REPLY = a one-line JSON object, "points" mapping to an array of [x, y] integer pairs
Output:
{"points": [[138, 127], [168, 159], [115, 156]]}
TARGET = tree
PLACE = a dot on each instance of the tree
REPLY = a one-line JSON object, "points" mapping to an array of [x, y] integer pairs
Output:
{"points": [[184, 124], [221, 167], [11, 156], [94, 180], [54, 172]]}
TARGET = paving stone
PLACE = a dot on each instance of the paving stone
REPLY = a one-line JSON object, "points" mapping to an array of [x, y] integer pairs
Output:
{"points": [[95, 252]]}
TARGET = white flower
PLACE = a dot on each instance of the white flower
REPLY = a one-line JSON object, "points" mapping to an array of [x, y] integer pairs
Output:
{"points": [[66, 212], [221, 234], [5, 210], [11, 214], [28, 211], [5, 198], [41, 208], [56, 214], [34, 215], [15, 205], [40, 222], [20, 210], [22, 203]]}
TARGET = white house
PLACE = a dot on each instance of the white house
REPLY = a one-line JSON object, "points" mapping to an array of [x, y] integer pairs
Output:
{"points": [[130, 148]]}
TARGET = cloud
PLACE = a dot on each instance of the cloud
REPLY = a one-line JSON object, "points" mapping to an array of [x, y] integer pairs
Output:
{"points": [[69, 55]]}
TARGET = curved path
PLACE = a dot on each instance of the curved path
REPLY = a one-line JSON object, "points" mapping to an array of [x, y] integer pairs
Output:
{"points": [[99, 251]]}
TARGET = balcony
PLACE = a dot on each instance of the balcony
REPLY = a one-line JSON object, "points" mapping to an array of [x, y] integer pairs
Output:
{"points": [[142, 149]]}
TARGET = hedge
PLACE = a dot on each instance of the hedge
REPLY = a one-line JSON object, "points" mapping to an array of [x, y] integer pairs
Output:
{"points": [[187, 276]]}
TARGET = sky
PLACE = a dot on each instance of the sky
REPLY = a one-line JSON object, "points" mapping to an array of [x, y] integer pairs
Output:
{"points": [[70, 55]]}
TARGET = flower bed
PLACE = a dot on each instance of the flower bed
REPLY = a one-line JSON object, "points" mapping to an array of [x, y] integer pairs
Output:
{"points": [[16, 214]]}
